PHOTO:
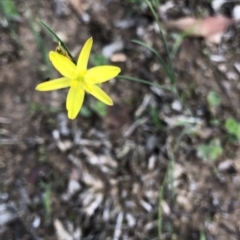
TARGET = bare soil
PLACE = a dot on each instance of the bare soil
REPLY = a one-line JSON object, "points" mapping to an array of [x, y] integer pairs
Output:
{"points": [[101, 177]]}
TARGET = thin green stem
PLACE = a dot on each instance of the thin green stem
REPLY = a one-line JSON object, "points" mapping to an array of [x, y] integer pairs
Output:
{"points": [[169, 172], [171, 71], [161, 193], [172, 164]]}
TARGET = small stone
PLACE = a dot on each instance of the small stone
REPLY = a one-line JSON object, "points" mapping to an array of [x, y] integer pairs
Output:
{"points": [[232, 76], [155, 67], [193, 187], [216, 4], [146, 205], [165, 7], [152, 142], [217, 58], [222, 67], [118, 57], [85, 17], [56, 134], [184, 202], [236, 13], [125, 24], [236, 181], [64, 146], [62, 36], [130, 220], [73, 187], [4, 197], [178, 171], [140, 31], [165, 207], [226, 85], [7, 213], [225, 165], [36, 222], [111, 48], [177, 106], [63, 124], [237, 66], [152, 161]]}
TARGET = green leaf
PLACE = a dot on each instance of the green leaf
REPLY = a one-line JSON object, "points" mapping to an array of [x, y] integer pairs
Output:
{"points": [[233, 127], [211, 151], [9, 8], [202, 235], [155, 117], [98, 59], [85, 112], [213, 99], [47, 201], [100, 108]]}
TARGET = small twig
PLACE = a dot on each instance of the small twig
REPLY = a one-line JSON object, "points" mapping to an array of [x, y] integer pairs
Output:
{"points": [[7, 141], [132, 128], [118, 227]]}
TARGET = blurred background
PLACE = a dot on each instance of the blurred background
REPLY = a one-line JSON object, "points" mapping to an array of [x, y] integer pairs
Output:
{"points": [[160, 163]]}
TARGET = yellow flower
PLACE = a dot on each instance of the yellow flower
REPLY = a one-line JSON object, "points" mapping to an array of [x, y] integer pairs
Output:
{"points": [[79, 79]]}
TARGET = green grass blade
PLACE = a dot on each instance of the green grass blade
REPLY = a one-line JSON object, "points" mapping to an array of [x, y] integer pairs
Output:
{"points": [[202, 235], [155, 53], [54, 35], [143, 81], [157, 3], [40, 44], [161, 193], [159, 26], [171, 71], [180, 39], [177, 45]]}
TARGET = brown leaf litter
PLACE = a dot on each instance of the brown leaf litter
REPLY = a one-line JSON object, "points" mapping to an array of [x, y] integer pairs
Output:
{"points": [[210, 28]]}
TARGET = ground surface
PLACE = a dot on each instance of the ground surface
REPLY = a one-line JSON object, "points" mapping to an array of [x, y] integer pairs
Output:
{"points": [[104, 175]]}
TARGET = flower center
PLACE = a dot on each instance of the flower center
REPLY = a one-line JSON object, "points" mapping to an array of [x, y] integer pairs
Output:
{"points": [[78, 79]]}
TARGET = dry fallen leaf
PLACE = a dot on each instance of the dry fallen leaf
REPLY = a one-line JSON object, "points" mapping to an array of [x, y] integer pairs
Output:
{"points": [[77, 6], [118, 57], [211, 28]]}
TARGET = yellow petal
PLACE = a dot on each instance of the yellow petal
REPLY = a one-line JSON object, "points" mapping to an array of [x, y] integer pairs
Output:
{"points": [[101, 74], [98, 93], [74, 101], [53, 84], [64, 65], [84, 55]]}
